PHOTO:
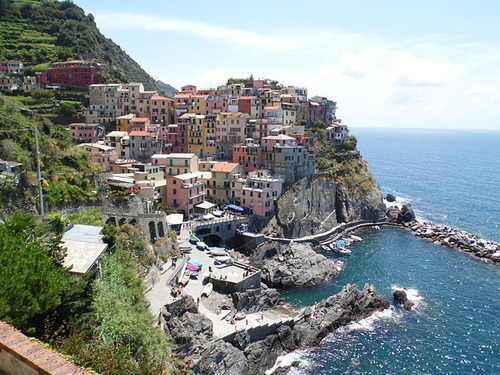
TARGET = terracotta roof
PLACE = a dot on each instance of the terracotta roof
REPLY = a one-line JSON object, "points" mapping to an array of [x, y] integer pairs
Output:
{"points": [[140, 133], [224, 167], [139, 119], [35, 355], [158, 97]]}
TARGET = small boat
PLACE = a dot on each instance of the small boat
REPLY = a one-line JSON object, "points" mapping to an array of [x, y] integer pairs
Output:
{"points": [[240, 316], [326, 248], [223, 259], [217, 251], [342, 250], [193, 239], [192, 273], [185, 248], [192, 267], [195, 262], [185, 278], [207, 274], [207, 289], [356, 238], [201, 245]]}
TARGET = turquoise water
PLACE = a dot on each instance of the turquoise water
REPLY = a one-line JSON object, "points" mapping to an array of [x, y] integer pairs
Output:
{"points": [[455, 327]]}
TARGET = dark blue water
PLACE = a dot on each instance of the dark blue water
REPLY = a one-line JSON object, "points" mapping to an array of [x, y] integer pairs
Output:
{"points": [[450, 178]]}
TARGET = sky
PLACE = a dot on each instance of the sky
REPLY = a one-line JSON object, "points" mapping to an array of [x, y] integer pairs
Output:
{"points": [[387, 63]]}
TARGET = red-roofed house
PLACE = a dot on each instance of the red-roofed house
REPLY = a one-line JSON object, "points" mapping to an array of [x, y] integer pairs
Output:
{"points": [[224, 182], [143, 145]]}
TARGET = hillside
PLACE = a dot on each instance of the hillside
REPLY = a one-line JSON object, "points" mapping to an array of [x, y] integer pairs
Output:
{"points": [[167, 89], [39, 32]]}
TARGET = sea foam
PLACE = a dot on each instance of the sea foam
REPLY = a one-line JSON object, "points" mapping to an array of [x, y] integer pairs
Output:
{"points": [[288, 358]]}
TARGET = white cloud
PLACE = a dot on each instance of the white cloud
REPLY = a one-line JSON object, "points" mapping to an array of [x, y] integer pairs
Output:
{"points": [[371, 78], [481, 90], [214, 77]]}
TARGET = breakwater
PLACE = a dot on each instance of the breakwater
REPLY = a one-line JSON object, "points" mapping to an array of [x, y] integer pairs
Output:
{"points": [[457, 239]]}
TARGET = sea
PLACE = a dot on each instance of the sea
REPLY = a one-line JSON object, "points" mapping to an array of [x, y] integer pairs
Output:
{"points": [[450, 177]]}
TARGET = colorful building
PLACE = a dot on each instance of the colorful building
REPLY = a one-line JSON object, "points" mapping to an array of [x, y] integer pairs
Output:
{"points": [[176, 163], [184, 192], [224, 185], [261, 191], [80, 132], [72, 73], [143, 145], [248, 154]]}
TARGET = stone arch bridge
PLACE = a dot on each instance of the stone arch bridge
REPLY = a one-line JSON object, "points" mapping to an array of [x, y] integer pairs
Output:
{"points": [[155, 224]]}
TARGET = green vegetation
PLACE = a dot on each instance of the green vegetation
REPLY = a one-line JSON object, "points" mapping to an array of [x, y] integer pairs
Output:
{"points": [[101, 323], [31, 281], [67, 170], [39, 32]]}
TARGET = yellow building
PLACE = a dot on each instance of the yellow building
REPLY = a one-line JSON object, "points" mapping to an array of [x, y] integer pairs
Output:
{"points": [[162, 109], [197, 104], [226, 182], [289, 113], [123, 122]]}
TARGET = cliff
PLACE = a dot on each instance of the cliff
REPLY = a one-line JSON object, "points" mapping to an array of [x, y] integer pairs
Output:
{"points": [[347, 193]]}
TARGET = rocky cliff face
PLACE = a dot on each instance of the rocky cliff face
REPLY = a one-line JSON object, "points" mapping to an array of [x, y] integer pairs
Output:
{"points": [[315, 206]]}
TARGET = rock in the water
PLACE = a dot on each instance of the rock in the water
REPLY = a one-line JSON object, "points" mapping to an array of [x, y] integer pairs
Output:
{"points": [[407, 215], [351, 304], [401, 298], [393, 214], [292, 264], [390, 198]]}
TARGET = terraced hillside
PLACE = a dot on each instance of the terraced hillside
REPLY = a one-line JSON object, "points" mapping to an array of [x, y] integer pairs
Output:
{"points": [[39, 32]]}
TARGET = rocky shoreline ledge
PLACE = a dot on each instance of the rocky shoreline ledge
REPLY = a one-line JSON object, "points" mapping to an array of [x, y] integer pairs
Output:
{"points": [[191, 331], [442, 235]]}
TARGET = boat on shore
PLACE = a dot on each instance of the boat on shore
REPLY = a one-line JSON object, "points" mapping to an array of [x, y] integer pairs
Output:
{"points": [[240, 316], [193, 239], [185, 249], [201, 245], [185, 278], [207, 289]]}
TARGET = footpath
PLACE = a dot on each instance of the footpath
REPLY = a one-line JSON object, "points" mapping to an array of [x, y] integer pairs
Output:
{"points": [[160, 295]]}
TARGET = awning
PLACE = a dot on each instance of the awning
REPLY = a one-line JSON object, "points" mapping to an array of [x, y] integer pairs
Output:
{"points": [[205, 205], [235, 207], [175, 219]]}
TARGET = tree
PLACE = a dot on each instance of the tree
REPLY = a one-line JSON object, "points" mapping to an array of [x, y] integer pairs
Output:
{"points": [[30, 282]]}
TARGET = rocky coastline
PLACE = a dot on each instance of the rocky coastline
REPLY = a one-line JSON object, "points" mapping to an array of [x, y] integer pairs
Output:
{"points": [[442, 235], [191, 332]]}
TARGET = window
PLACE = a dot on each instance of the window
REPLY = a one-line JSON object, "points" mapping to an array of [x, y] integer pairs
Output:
{"points": [[175, 191]]}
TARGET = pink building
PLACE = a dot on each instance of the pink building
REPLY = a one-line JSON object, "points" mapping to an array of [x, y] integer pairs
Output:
{"points": [[215, 105], [73, 73], [185, 191], [80, 132], [261, 192], [139, 124], [100, 154], [248, 155]]}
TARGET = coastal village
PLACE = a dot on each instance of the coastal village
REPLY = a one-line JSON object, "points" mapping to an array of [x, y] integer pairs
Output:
{"points": [[201, 169], [220, 157]]}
